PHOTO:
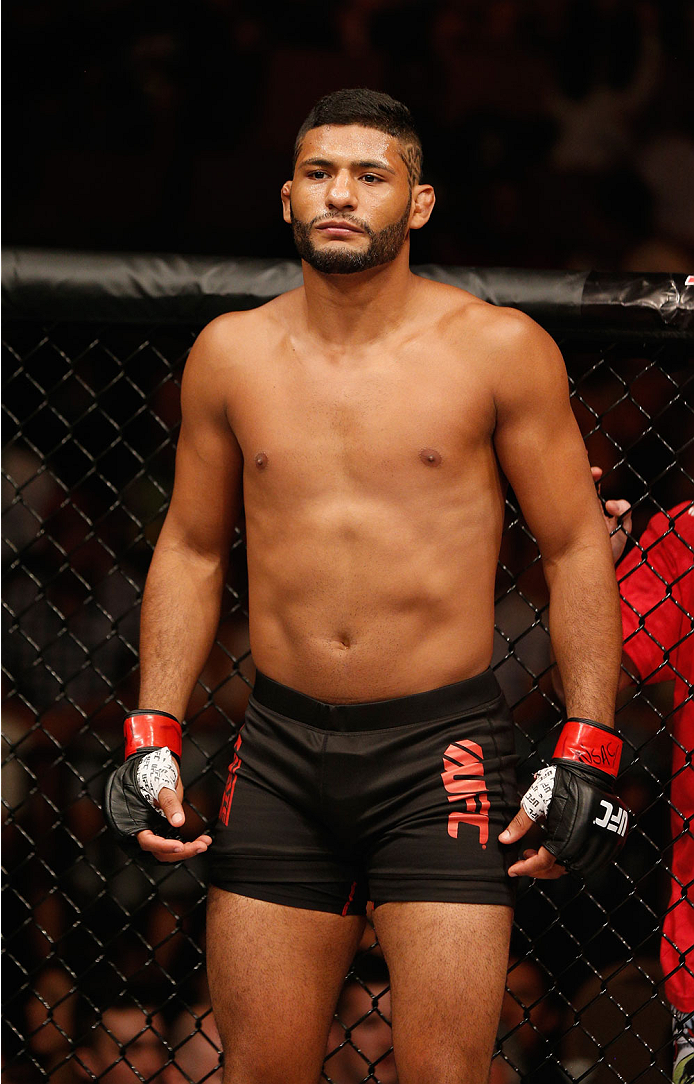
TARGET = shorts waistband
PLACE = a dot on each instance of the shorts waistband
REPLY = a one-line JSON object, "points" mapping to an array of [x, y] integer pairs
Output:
{"points": [[461, 697]]}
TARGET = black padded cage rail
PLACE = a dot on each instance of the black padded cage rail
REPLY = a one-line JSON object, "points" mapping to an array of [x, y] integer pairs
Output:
{"points": [[104, 957]]}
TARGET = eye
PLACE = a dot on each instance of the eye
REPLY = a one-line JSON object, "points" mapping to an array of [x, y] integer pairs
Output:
{"points": [[371, 177], [317, 174]]}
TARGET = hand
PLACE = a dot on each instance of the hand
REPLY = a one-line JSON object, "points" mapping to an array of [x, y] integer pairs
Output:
{"points": [[172, 850], [585, 821], [617, 519], [134, 794], [540, 864]]}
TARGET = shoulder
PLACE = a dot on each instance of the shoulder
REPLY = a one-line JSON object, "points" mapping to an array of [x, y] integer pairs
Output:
{"points": [[518, 360], [512, 340], [228, 334], [505, 333], [233, 340]]}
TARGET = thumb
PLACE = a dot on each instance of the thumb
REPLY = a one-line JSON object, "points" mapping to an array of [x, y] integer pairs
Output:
{"points": [[173, 810], [517, 828]]}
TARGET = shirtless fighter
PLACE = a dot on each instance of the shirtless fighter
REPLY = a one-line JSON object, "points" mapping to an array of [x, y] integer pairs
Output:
{"points": [[370, 421]]}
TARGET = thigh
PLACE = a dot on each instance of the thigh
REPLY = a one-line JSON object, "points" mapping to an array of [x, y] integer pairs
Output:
{"points": [[271, 841], [456, 790], [275, 973], [447, 964]]}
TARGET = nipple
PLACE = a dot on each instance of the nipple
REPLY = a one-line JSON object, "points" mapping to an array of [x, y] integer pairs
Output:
{"points": [[261, 461], [430, 457]]}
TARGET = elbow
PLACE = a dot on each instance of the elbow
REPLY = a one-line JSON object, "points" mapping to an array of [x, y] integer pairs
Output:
{"points": [[185, 554], [583, 551], [570, 559]]}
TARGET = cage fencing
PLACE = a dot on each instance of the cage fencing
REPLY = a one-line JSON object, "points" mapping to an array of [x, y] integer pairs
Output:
{"points": [[104, 957]]}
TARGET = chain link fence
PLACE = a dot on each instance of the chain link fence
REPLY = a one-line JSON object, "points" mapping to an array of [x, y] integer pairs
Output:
{"points": [[104, 974]]}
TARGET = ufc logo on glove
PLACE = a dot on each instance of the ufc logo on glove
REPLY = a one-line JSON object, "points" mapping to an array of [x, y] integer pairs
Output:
{"points": [[615, 819]]}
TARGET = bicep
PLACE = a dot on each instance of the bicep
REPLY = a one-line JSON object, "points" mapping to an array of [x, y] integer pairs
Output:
{"points": [[541, 450], [206, 499]]}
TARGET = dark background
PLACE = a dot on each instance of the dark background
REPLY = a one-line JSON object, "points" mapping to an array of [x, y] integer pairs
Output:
{"points": [[557, 132]]}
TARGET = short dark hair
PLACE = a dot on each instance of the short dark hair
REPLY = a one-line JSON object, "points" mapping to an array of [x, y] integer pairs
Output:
{"points": [[372, 109]]}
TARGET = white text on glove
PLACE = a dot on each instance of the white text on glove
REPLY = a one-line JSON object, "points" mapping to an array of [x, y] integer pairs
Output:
{"points": [[156, 770], [537, 797]]}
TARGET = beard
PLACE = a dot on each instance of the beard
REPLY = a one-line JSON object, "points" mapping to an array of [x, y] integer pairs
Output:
{"points": [[384, 245]]}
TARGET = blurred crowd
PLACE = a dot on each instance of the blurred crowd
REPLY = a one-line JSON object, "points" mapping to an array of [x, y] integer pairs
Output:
{"points": [[558, 133]]}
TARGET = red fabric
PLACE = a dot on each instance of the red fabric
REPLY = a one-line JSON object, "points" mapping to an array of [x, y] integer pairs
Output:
{"points": [[656, 583], [145, 728]]}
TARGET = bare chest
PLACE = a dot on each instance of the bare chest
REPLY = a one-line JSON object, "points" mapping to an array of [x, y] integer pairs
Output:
{"points": [[383, 420]]}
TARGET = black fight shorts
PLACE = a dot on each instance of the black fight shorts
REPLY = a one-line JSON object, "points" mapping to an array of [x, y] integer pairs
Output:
{"points": [[327, 806]]}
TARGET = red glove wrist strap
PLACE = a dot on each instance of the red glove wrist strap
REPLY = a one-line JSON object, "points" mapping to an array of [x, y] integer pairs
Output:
{"points": [[591, 744], [142, 728]]}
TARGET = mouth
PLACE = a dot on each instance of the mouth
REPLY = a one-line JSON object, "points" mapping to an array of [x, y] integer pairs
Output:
{"points": [[337, 228]]}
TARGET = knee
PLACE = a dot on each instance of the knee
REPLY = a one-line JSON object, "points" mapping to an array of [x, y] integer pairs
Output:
{"points": [[459, 1067], [267, 1070]]}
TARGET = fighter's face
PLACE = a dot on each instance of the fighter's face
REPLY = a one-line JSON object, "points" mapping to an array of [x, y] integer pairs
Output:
{"points": [[350, 202]]}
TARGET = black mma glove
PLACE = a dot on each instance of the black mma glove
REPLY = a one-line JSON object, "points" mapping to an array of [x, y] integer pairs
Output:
{"points": [[151, 737], [585, 822]]}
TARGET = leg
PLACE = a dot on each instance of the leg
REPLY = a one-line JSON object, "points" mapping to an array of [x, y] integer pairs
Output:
{"points": [[447, 965], [275, 974]]}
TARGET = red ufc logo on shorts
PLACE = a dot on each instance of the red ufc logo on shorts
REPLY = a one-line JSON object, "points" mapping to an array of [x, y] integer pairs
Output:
{"points": [[463, 778]]}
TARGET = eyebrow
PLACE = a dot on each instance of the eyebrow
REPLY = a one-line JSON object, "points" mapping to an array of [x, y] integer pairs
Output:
{"points": [[367, 164]]}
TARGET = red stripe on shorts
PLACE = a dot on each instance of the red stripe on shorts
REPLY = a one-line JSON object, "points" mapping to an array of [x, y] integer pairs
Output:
{"points": [[227, 797], [352, 890]]}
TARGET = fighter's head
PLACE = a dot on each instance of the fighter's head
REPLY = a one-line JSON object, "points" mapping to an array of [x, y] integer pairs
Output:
{"points": [[356, 189], [368, 109]]}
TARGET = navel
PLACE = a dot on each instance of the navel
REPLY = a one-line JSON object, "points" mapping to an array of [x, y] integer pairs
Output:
{"points": [[261, 461], [430, 457]]}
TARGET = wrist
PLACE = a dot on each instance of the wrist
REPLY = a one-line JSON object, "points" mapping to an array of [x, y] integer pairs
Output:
{"points": [[589, 744], [144, 728]]}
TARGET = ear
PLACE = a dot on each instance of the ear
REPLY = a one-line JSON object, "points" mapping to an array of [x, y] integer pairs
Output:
{"points": [[285, 194], [423, 200]]}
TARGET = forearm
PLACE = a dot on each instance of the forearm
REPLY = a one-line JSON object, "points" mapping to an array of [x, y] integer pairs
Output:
{"points": [[180, 615], [586, 631]]}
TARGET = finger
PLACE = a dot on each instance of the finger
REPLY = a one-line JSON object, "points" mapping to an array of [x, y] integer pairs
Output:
{"points": [[518, 868], [190, 850], [552, 874], [517, 828], [184, 856], [172, 850], [539, 864], [597, 473], [170, 804], [617, 508], [618, 524], [534, 865], [150, 841]]}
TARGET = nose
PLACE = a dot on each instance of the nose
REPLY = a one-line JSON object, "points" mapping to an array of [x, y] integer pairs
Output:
{"points": [[341, 194]]}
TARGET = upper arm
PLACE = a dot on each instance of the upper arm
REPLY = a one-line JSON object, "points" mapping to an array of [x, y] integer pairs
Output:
{"points": [[207, 493], [538, 442]]}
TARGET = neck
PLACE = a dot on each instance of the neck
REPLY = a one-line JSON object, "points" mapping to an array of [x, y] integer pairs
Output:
{"points": [[353, 310]]}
